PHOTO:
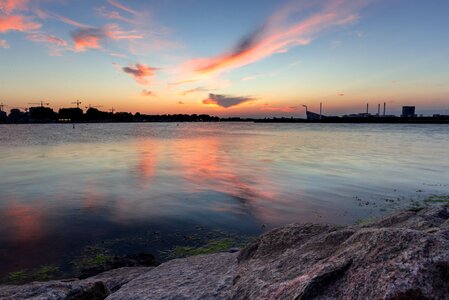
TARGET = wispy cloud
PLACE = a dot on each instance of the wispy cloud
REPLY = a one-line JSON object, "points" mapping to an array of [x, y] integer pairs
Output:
{"points": [[4, 44], [17, 23], [196, 90], [268, 107], [278, 34], [123, 7], [226, 101], [8, 6], [148, 93], [92, 37], [140, 72], [42, 14], [46, 38], [113, 15]]}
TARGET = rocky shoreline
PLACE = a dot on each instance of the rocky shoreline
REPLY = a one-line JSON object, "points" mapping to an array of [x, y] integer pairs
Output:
{"points": [[401, 256]]}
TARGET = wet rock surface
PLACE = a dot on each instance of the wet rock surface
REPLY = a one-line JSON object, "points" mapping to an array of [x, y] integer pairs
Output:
{"points": [[401, 256]]}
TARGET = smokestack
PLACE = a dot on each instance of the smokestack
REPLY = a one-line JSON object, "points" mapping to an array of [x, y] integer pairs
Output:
{"points": [[385, 107], [378, 109], [367, 108], [321, 109]]}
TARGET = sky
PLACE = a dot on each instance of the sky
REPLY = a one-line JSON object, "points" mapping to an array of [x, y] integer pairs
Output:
{"points": [[252, 58]]}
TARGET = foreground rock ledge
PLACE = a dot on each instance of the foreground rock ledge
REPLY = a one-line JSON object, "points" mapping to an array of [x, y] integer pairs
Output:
{"points": [[401, 256]]}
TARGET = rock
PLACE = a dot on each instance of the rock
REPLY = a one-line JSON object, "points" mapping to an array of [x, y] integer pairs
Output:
{"points": [[55, 290], [401, 256], [97, 287], [114, 279], [196, 277]]}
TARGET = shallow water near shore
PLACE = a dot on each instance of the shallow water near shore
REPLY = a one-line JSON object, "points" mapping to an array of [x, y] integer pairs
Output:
{"points": [[117, 189]]}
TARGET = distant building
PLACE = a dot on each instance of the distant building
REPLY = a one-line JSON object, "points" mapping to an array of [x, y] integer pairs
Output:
{"points": [[311, 116], [2, 116], [408, 112]]}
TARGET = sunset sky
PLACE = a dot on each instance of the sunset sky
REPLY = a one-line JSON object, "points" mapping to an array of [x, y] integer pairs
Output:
{"points": [[258, 58]]}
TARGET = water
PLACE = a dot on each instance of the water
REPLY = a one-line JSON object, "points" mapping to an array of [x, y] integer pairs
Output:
{"points": [[127, 188]]}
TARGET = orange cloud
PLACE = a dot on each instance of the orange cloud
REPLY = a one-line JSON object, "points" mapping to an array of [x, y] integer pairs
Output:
{"points": [[18, 23], [8, 6], [140, 72], [277, 35]]}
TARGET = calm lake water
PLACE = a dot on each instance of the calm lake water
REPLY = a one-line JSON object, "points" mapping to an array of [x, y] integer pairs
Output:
{"points": [[128, 188]]}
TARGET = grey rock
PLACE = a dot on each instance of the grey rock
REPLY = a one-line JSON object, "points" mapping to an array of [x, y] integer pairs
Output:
{"points": [[55, 290], [402, 256], [197, 277], [97, 287]]}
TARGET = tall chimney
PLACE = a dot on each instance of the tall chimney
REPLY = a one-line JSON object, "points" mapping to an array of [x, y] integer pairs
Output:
{"points": [[385, 107], [367, 108], [378, 109], [321, 109]]}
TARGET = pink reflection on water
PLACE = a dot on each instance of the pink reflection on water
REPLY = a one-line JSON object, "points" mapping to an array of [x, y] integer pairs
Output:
{"points": [[207, 165], [24, 222]]}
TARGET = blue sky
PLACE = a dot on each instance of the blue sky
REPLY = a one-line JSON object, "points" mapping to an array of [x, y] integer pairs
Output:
{"points": [[248, 58]]}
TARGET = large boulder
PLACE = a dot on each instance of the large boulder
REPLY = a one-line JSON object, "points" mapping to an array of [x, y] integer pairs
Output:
{"points": [[402, 256]]}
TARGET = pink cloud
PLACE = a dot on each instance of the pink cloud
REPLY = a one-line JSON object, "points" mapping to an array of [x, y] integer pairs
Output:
{"points": [[278, 34], [113, 15], [45, 38], [123, 7], [140, 72], [8, 6], [18, 23]]}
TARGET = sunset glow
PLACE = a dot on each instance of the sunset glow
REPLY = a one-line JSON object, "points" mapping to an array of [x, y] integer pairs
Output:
{"points": [[246, 58]]}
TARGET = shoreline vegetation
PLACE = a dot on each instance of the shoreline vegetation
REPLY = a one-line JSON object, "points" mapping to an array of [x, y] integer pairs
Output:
{"points": [[96, 259], [45, 115]]}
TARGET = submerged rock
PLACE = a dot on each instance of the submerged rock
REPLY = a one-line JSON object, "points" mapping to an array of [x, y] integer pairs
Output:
{"points": [[401, 256]]}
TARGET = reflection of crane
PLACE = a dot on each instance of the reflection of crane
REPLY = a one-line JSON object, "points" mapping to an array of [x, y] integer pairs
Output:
{"points": [[42, 103], [90, 106], [77, 103]]}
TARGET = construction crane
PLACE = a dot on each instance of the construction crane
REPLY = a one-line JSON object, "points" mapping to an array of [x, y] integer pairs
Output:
{"points": [[42, 103], [112, 110], [77, 103], [90, 106], [2, 106]]}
